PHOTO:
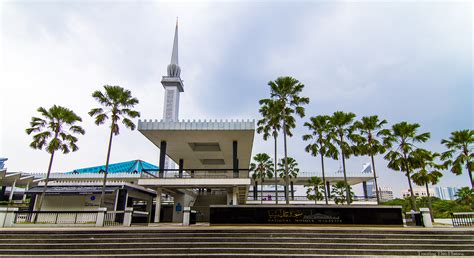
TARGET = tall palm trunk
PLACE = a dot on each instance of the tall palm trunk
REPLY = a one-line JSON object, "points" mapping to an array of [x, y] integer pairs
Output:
{"points": [[375, 180], [102, 195], [261, 191], [429, 202], [348, 200], [324, 178], [287, 182], [43, 193], [276, 173], [413, 200]]}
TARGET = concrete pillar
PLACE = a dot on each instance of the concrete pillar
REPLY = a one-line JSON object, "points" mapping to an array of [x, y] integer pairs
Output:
{"points": [[12, 191], [235, 196], [158, 205], [425, 213], [364, 186], [162, 159], [24, 193], [100, 217], [7, 217], [181, 165], [186, 215], [127, 218], [235, 161], [229, 196], [178, 206]]}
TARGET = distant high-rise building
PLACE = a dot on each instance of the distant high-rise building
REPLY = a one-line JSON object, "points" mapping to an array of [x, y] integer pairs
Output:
{"points": [[446, 193]]}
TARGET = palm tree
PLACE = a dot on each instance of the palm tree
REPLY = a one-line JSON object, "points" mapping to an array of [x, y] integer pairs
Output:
{"points": [[118, 103], [339, 191], [322, 146], [292, 168], [429, 172], [286, 91], [342, 127], [262, 169], [465, 196], [270, 124], [371, 141], [313, 192], [55, 131], [460, 144], [403, 137]]}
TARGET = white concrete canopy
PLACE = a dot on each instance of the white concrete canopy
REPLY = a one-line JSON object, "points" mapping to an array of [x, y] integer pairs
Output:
{"points": [[181, 139]]}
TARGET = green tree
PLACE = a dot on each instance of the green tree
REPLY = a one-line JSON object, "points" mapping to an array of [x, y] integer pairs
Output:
{"points": [[404, 136], [313, 191], [262, 168], [286, 90], [321, 145], [460, 145], [339, 192], [465, 196], [270, 125], [55, 131], [292, 168], [118, 103], [371, 141], [342, 126], [429, 172]]}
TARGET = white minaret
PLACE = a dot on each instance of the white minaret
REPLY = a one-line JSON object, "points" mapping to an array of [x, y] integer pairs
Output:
{"points": [[173, 84], [173, 87]]}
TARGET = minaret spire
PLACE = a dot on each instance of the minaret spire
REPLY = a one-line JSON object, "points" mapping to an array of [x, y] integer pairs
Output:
{"points": [[173, 68], [174, 55]]}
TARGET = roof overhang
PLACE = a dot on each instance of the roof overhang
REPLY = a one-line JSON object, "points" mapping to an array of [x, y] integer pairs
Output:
{"points": [[181, 138]]}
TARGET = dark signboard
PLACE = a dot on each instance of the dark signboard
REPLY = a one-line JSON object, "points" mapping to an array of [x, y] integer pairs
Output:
{"points": [[307, 214]]}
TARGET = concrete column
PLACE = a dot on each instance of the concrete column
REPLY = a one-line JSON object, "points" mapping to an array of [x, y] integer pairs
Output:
{"points": [[229, 196], [7, 217], [235, 161], [162, 159], [364, 186], [235, 196], [100, 217], [158, 205], [12, 191], [181, 165], [127, 218], [24, 193], [186, 215]]}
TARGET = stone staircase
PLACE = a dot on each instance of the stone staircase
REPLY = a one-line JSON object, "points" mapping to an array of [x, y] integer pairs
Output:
{"points": [[243, 241]]}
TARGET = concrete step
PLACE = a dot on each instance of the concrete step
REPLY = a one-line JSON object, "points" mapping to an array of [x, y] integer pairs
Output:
{"points": [[154, 239], [279, 251], [226, 245]]}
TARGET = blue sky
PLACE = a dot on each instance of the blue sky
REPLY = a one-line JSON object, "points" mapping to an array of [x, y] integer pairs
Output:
{"points": [[408, 60]]}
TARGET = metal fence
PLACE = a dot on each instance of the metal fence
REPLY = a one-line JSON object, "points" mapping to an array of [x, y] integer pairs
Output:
{"points": [[55, 217], [113, 218], [462, 219]]}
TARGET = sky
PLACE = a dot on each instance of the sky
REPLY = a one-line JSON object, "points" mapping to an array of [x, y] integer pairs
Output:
{"points": [[401, 60]]}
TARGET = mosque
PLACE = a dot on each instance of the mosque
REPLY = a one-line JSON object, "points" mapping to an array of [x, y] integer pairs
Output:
{"points": [[213, 161]]}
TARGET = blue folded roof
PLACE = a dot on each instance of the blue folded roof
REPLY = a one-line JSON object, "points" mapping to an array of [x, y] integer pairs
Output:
{"points": [[132, 166]]}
